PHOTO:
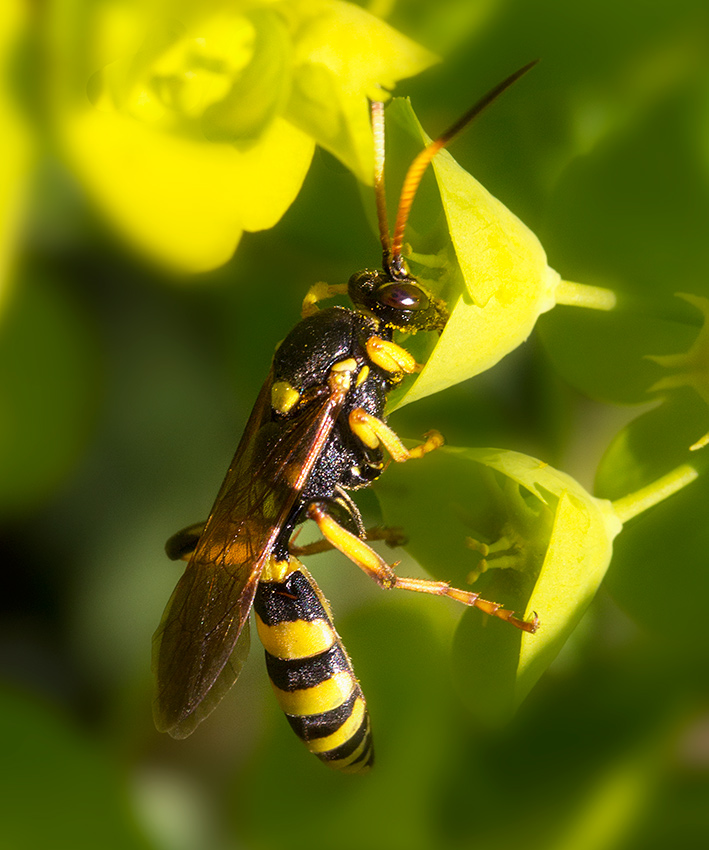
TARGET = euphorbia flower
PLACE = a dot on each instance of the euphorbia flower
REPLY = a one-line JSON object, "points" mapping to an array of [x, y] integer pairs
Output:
{"points": [[192, 123], [490, 268], [550, 540]]}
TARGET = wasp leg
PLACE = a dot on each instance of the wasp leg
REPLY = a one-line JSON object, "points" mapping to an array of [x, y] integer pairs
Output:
{"points": [[343, 511], [320, 292], [390, 356], [372, 431], [182, 544], [377, 569], [349, 511], [392, 535]]}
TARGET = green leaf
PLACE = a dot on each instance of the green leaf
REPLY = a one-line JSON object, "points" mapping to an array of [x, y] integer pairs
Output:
{"points": [[72, 781], [606, 355], [689, 368], [49, 383], [659, 573]]}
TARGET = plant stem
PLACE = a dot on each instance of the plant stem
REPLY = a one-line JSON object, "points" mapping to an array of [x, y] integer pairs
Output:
{"points": [[582, 295], [635, 503]]}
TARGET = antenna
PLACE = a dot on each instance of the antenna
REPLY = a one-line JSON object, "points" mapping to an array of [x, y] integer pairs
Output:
{"points": [[379, 187], [393, 261]]}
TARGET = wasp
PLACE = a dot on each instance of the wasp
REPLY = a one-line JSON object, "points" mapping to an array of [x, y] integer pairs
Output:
{"points": [[317, 432]]}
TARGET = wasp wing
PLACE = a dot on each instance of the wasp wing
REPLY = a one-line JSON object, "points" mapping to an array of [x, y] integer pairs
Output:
{"points": [[197, 651]]}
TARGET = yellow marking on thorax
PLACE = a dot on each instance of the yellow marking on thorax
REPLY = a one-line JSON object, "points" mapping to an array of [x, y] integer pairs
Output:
{"points": [[348, 365], [299, 639], [323, 697], [284, 397], [363, 375]]}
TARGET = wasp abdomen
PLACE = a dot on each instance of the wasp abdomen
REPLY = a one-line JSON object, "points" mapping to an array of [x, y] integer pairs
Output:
{"points": [[311, 673]]}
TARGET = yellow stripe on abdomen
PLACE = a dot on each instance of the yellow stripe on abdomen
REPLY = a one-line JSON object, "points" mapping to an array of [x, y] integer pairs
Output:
{"points": [[296, 639], [344, 733], [331, 693], [310, 671]]}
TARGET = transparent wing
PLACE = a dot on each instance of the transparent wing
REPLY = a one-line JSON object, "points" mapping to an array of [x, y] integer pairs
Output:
{"points": [[197, 651]]}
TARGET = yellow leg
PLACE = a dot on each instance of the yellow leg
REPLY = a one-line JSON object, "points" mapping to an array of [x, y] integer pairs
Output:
{"points": [[381, 572], [372, 431], [320, 292], [390, 356], [392, 536]]}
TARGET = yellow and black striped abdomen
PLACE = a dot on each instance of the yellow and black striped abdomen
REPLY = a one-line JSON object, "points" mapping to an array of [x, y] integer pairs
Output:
{"points": [[310, 670]]}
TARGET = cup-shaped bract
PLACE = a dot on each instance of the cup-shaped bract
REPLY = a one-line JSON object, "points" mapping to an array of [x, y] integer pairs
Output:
{"points": [[492, 272], [550, 540]]}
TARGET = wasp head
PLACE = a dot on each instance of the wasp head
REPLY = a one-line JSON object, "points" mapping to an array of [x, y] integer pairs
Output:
{"points": [[398, 302]]}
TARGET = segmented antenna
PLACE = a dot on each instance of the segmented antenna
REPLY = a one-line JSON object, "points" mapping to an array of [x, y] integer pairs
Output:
{"points": [[393, 261], [379, 187]]}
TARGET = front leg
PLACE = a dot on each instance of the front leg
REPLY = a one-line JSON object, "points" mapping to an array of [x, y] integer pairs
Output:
{"points": [[320, 291], [373, 432]]}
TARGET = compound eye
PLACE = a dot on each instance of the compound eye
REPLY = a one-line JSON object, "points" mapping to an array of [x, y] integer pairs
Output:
{"points": [[402, 296]]}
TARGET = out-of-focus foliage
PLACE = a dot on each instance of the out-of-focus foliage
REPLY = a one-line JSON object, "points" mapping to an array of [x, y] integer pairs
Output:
{"points": [[59, 767], [690, 368], [17, 142], [49, 389], [191, 123], [171, 127], [664, 545]]}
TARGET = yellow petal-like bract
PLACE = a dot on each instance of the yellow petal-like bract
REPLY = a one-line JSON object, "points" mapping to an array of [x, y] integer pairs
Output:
{"points": [[190, 124], [498, 280], [17, 143]]}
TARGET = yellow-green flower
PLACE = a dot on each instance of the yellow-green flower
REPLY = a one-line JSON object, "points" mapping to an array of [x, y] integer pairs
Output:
{"points": [[550, 540], [498, 282], [190, 123], [17, 142]]}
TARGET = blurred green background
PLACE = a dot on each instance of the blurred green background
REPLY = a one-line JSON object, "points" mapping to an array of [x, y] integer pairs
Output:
{"points": [[123, 391]]}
